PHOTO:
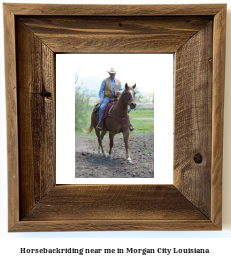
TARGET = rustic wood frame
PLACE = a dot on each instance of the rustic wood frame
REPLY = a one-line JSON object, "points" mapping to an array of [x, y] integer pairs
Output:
{"points": [[33, 34]]}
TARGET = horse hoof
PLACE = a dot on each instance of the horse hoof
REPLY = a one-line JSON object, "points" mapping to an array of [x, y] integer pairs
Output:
{"points": [[105, 155], [129, 161], [110, 156]]}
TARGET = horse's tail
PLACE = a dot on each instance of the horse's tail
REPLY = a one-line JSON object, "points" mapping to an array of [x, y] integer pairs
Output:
{"points": [[90, 129]]}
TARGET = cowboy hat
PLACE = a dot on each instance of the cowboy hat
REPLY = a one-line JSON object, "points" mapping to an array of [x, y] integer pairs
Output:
{"points": [[112, 70]]}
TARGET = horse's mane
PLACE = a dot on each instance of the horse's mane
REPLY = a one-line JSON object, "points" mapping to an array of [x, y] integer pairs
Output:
{"points": [[124, 91], [121, 94]]}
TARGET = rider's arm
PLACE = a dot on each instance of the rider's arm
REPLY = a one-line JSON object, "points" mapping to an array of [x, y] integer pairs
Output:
{"points": [[121, 90], [102, 87]]}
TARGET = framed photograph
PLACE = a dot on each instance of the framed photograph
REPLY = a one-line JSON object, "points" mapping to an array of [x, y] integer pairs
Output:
{"points": [[153, 75], [34, 36]]}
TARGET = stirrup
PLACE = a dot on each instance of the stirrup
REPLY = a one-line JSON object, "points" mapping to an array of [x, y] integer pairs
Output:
{"points": [[131, 128], [100, 126]]}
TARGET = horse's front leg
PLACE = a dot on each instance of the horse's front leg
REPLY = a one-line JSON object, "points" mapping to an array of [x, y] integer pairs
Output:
{"points": [[126, 137], [111, 136]]}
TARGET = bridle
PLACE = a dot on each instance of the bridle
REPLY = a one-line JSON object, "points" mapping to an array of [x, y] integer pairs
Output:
{"points": [[128, 103]]}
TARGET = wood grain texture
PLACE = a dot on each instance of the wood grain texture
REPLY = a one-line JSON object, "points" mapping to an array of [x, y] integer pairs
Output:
{"points": [[193, 114], [114, 207], [218, 115], [12, 114], [114, 34], [35, 66], [195, 202], [113, 202], [114, 225], [114, 10]]}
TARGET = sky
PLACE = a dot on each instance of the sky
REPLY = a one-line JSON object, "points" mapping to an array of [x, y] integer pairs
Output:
{"points": [[148, 71]]}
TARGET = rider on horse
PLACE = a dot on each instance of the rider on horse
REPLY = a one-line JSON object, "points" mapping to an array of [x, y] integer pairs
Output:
{"points": [[110, 88]]}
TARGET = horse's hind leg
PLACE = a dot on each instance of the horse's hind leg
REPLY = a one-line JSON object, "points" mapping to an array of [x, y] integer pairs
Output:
{"points": [[102, 134], [100, 138], [97, 132]]}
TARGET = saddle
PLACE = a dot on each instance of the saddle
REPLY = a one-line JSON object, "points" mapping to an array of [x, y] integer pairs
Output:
{"points": [[96, 108], [108, 109]]}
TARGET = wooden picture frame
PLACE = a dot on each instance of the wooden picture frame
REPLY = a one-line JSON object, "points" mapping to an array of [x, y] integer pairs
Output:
{"points": [[33, 34]]}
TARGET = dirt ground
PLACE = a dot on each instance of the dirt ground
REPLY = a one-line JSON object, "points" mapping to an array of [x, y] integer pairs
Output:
{"points": [[90, 164]]}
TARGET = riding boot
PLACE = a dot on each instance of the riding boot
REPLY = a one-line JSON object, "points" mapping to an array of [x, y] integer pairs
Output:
{"points": [[131, 128], [100, 126]]}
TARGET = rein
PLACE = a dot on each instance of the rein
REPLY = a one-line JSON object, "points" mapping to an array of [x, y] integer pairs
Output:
{"points": [[120, 109], [126, 102], [122, 120]]}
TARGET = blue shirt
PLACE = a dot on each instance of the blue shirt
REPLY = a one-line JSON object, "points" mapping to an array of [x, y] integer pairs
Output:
{"points": [[102, 87]]}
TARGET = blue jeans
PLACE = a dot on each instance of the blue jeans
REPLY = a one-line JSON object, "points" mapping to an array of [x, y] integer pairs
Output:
{"points": [[103, 107]]}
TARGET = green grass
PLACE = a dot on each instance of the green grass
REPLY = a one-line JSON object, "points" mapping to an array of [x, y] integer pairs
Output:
{"points": [[142, 111], [142, 114], [139, 119], [142, 126]]}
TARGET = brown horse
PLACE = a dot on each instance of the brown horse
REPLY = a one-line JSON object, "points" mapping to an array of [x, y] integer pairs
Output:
{"points": [[117, 122]]}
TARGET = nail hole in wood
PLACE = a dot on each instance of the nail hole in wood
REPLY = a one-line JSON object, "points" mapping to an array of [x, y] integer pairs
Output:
{"points": [[198, 158], [46, 95]]}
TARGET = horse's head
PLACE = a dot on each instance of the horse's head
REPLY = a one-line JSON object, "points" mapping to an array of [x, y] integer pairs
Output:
{"points": [[130, 95]]}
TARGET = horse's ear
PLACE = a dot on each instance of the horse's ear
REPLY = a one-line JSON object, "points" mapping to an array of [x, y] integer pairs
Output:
{"points": [[126, 85], [134, 86]]}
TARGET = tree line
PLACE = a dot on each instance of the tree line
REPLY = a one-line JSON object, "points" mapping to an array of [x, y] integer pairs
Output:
{"points": [[82, 101]]}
